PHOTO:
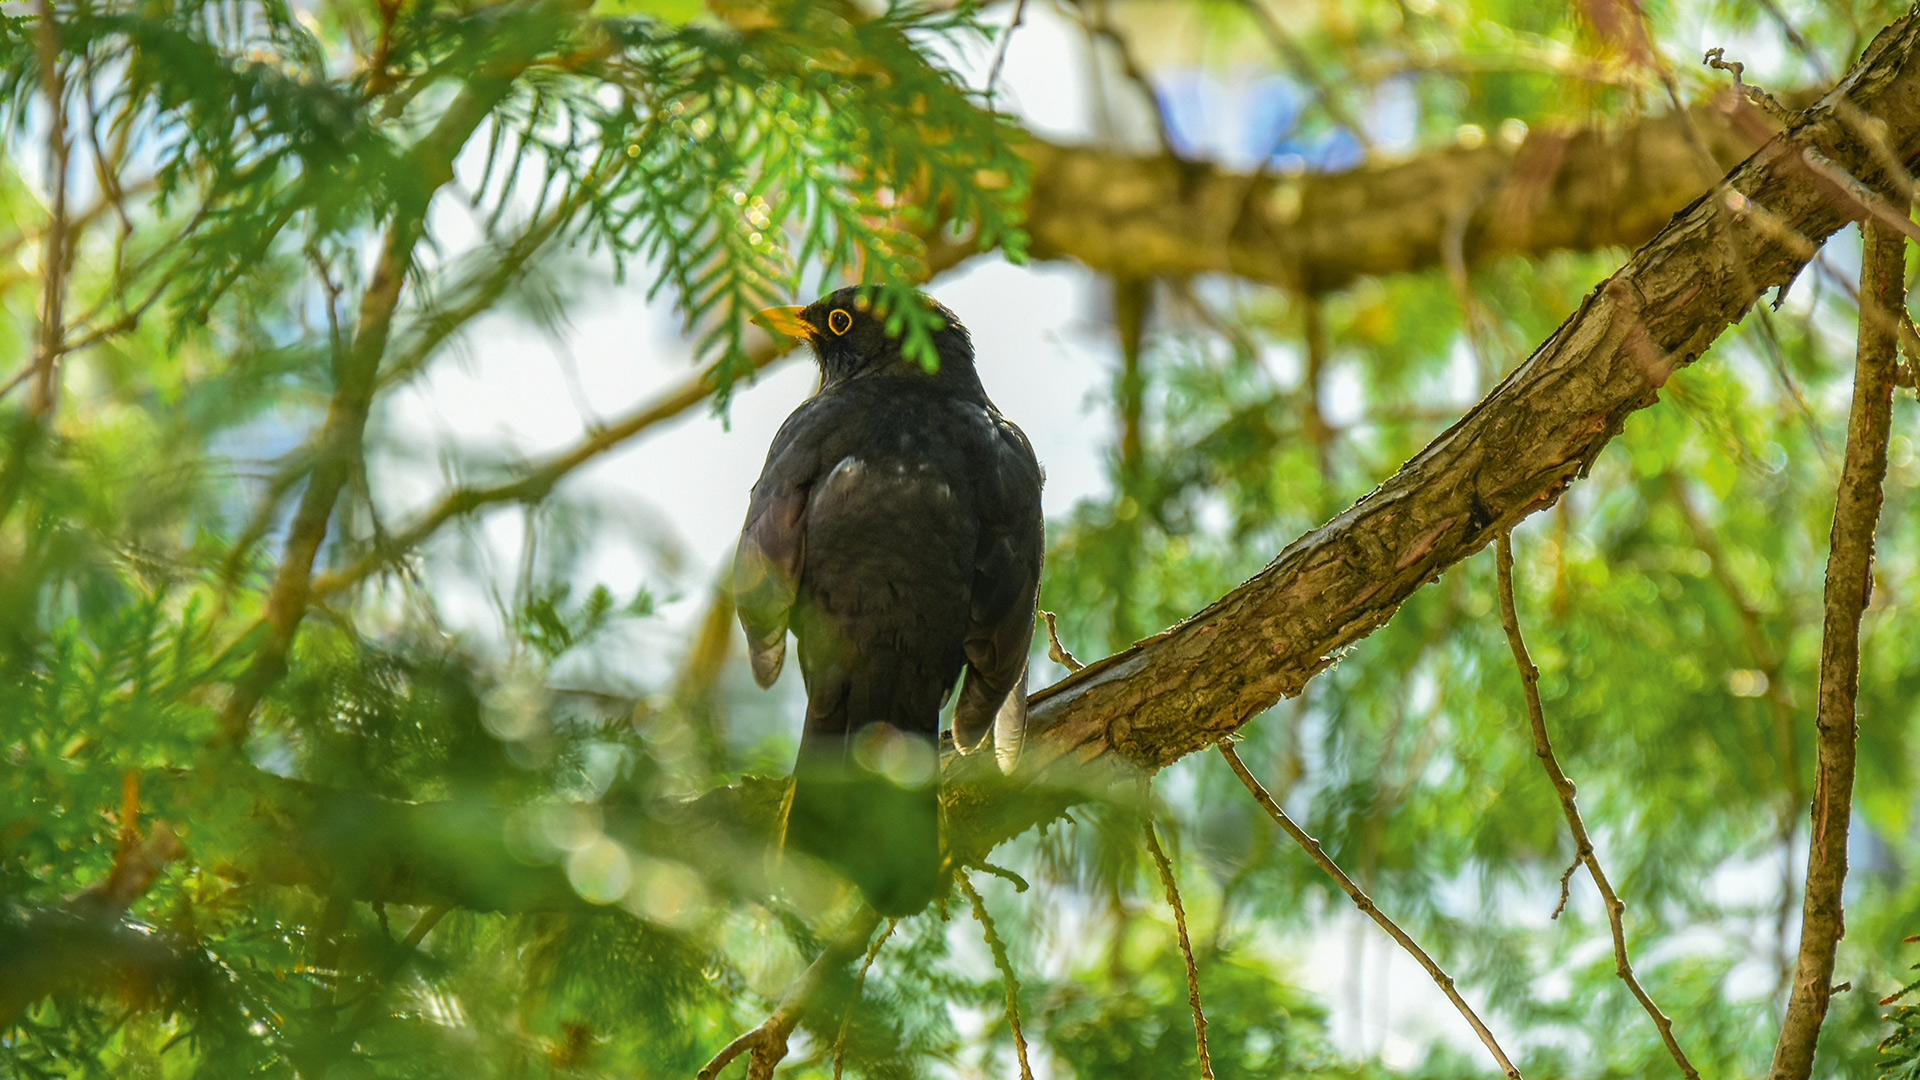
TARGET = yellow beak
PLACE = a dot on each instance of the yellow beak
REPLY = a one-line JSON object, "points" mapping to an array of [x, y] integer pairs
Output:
{"points": [[786, 320]]}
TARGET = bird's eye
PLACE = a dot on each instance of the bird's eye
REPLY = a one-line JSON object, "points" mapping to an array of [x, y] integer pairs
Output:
{"points": [[839, 321]]}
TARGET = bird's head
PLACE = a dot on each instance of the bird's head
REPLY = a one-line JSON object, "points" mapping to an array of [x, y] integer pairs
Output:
{"points": [[850, 338]]}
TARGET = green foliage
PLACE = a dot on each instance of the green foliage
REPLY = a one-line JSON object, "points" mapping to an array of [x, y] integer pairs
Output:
{"points": [[449, 846]]}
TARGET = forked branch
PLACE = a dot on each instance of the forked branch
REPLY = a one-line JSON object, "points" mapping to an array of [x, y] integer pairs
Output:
{"points": [[1563, 787], [768, 1042]]}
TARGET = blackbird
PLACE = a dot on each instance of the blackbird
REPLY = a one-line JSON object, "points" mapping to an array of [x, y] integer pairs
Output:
{"points": [[896, 529]]}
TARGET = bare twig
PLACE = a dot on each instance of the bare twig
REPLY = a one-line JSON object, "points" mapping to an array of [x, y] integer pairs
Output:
{"points": [[1849, 583], [1563, 787], [1566, 876], [539, 481], [1302, 66], [1006, 39], [1361, 901], [999, 950], [853, 1000], [768, 1042], [1100, 25], [1186, 946]]}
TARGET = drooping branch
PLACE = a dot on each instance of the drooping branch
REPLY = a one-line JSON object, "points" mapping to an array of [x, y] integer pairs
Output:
{"points": [[1364, 903], [1161, 863], [1856, 514], [1563, 788], [1007, 976]]}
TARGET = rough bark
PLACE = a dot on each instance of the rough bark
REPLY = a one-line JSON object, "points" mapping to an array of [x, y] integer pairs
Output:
{"points": [[1512, 454], [1556, 188], [1849, 583]]}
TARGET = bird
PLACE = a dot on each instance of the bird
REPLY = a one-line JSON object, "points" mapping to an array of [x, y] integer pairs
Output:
{"points": [[896, 529]]}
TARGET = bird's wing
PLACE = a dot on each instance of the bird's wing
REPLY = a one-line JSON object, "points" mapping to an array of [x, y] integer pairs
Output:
{"points": [[766, 566], [1006, 586]]}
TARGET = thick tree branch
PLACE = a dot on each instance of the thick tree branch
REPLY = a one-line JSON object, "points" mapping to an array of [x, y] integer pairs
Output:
{"points": [[1856, 514], [1129, 215], [1511, 455]]}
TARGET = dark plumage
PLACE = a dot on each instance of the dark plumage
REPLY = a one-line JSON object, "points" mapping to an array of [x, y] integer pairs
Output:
{"points": [[896, 529]]}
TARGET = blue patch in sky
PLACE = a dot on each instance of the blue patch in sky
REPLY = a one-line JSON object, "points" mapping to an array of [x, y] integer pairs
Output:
{"points": [[1238, 122]]}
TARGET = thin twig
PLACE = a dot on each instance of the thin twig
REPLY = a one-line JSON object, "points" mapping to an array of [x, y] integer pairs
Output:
{"points": [[56, 257], [1849, 584], [1566, 876], [1101, 26], [1361, 901], [999, 950], [1563, 787], [768, 1042], [1006, 39], [853, 1000], [1301, 64], [539, 481], [1186, 946]]}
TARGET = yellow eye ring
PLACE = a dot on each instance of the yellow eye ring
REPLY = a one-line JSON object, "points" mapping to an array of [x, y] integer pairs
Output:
{"points": [[839, 321]]}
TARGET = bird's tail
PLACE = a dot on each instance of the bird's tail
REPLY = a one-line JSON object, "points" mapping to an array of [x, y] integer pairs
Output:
{"points": [[866, 793]]}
